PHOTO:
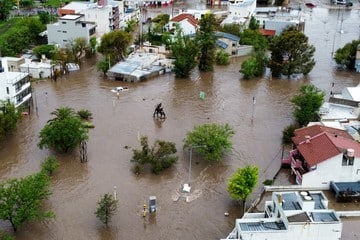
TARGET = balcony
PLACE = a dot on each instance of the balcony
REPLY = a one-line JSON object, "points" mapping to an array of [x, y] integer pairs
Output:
{"points": [[22, 100], [21, 88]]}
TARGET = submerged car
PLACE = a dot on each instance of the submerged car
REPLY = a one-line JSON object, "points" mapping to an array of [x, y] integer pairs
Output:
{"points": [[119, 89]]}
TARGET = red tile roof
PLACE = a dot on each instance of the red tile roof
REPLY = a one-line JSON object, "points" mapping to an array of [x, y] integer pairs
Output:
{"points": [[302, 133], [324, 146], [267, 32], [186, 16], [318, 149]]}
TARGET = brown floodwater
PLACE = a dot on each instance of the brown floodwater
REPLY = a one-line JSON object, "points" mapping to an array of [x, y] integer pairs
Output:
{"points": [[119, 122]]}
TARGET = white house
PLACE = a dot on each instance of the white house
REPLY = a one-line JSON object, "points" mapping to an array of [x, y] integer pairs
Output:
{"points": [[239, 11], [68, 28], [290, 215], [186, 22], [42, 69], [323, 155], [106, 14], [14, 86], [279, 18]]}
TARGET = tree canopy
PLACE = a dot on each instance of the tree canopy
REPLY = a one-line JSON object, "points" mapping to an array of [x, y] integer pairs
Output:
{"points": [[206, 40], [5, 8], [107, 206], [307, 103], [20, 199], [9, 117], [114, 45], [242, 182], [159, 157], [213, 138], [291, 54], [346, 55], [184, 50], [64, 132]]}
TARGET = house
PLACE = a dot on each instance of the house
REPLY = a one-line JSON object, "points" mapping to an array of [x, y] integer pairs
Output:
{"points": [[38, 69], [279, 18], [68, 28], [187, 23], [322, 155], [106, 14], [140, 66], [231, 44], [14, 86], [357, 59], [290, 215], [239, 11]]}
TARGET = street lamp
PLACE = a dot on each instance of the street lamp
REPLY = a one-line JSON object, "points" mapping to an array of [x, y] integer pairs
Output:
{"points": [[186, 187]]}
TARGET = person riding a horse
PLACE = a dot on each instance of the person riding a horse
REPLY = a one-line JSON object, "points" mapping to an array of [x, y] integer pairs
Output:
{"points": [[159, 111]]}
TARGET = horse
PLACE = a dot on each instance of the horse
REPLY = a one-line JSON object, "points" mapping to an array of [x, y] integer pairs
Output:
{"points": [[159, 112]]}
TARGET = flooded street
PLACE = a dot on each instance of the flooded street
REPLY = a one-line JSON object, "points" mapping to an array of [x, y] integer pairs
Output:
{"points": [[118, 122]]}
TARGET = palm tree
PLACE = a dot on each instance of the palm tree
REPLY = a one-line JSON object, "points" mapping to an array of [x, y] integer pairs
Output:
{"points": [[62, 113]]}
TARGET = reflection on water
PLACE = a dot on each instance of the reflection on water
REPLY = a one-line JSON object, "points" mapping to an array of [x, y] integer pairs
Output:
{"points": [[118, 122]]}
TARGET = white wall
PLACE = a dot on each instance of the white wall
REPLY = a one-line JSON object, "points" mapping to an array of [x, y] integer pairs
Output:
{"points": [[332, 170]]}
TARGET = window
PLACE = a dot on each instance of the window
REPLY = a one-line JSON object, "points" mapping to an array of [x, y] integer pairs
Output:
{"points": [[63, 22], [64, 31], [347, 160], [7, 90]]}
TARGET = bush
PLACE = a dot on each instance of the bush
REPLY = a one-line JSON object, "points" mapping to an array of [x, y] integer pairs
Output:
{"points": [[84, 114], [49, 165], [288, 133]]}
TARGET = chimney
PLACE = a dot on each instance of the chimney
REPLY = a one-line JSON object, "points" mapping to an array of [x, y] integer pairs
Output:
{"points": [[102, 3], [307, 139]]}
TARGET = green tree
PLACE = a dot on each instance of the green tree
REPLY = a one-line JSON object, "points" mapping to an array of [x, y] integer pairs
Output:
{"points": [[103, 66], [44, 17], [291, 53], [253, 25], [222, 57], [79, 48], [183, 49], [160, 21], [249, 68], [20, 199], [160, 156], [253, 38], [64, 132], [307, 103], [115, 44], [214, 139], [207, 40], [47, 50], [9, 117], [5, 8], [232, 28], [49, 165], [242, 183], [106, 208], [346, 55]]}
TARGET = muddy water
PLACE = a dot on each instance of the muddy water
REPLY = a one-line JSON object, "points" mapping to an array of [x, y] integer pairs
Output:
{"points": [[118, 123]]}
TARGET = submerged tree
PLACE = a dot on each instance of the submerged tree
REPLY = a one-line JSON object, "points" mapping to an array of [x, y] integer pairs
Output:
{"points": [[9, 116], [159, 157], [20, 199], [64, 132], [106, 208], [114, 45], [346, 55], [307, 104], [184, 50], [211, 140], [207, 40], [242, 183], [291, 53]]}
